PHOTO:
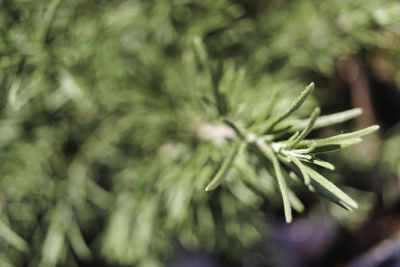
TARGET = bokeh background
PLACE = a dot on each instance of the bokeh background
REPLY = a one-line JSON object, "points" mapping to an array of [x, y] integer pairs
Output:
{"points": [[108, 134]]}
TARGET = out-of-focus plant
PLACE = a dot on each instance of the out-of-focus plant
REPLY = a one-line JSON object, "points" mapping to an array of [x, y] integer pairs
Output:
{"points": [[112, 122]]}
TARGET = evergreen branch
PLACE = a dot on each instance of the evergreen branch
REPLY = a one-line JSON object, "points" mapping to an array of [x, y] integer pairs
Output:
{"points": [[297, 150], [143, 173]]}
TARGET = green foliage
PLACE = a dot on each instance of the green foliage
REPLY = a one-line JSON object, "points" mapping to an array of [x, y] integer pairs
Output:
{"points": [[296, 150], [115, 115]]}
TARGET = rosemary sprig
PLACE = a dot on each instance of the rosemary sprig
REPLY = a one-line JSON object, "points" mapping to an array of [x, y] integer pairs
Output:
{"points": [[296, 152]]}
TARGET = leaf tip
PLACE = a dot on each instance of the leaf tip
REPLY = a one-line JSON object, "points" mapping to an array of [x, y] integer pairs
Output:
{"points": [[288, 219], [375, 128], [210, 187], [371, 129], [358, 111], [196, 40]]}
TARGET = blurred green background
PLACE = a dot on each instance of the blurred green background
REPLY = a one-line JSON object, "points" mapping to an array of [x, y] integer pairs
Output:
{"points": [[108, 133]]}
